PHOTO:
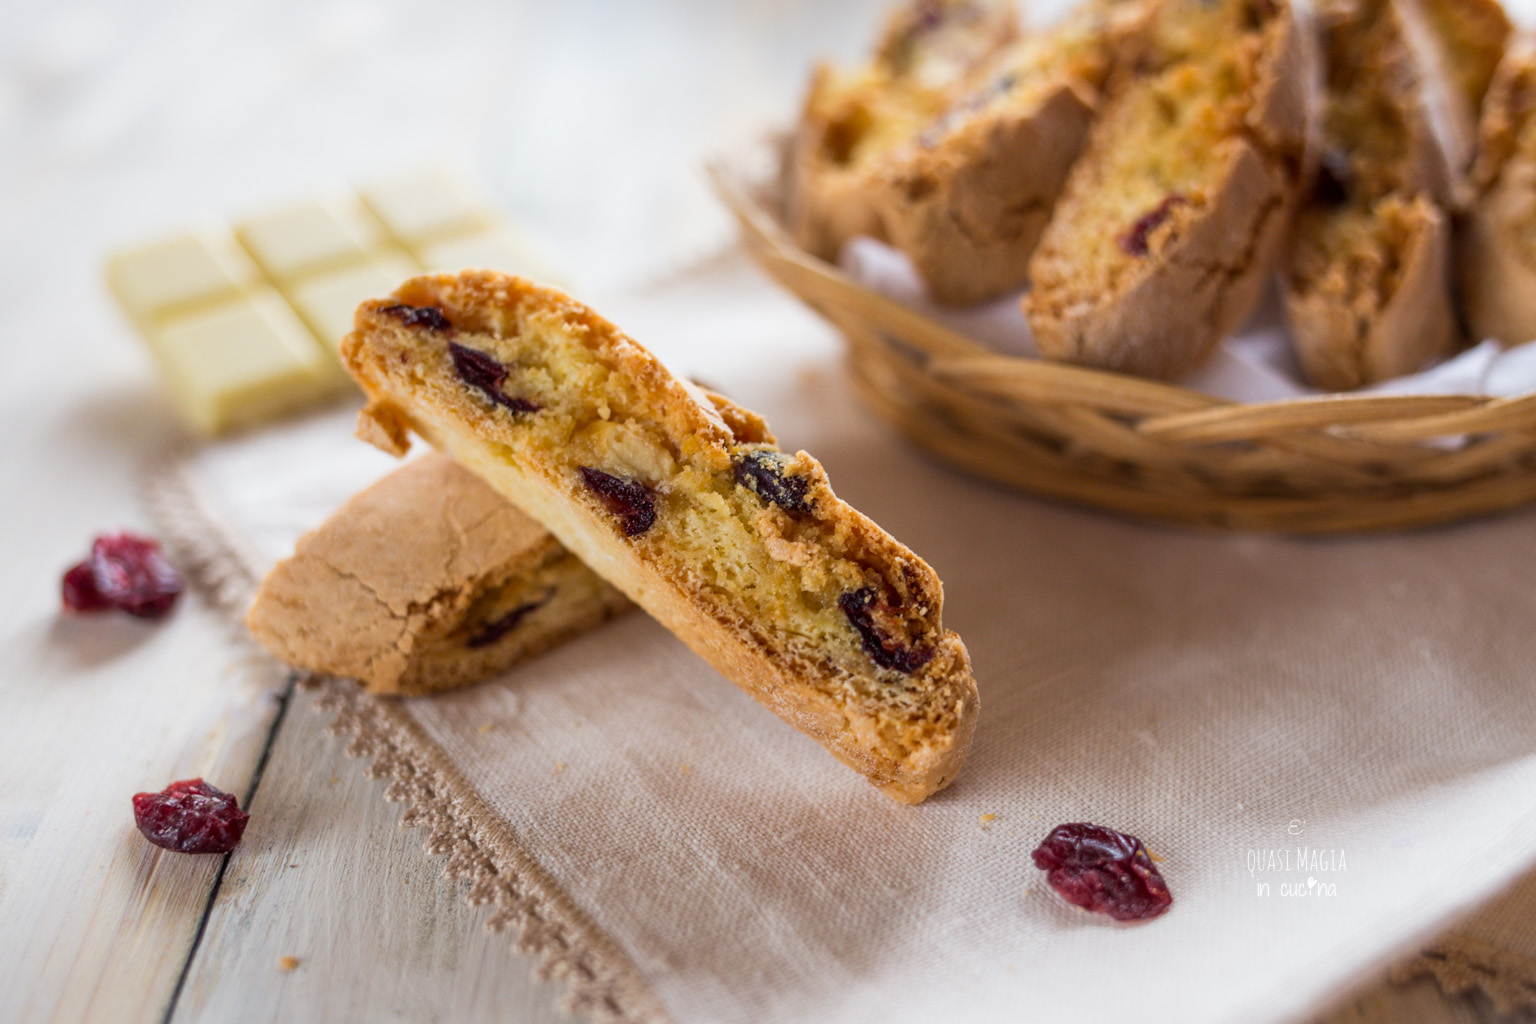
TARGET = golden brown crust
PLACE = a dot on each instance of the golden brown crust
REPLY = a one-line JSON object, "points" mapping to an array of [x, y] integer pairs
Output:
{"points": [[408, 380], [394, 587], [1471, 36], [850, 118], [968, 198], [1367, 276], [1350, 330], [1497, 246], [1191, 260]]}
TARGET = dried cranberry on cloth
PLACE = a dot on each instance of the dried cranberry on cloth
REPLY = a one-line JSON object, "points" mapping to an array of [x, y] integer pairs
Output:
{"points": [[1262, 710]]}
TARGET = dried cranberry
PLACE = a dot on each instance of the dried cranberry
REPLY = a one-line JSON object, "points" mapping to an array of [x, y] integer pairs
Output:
{"points": [[502, 625], [125, 572], [1100, 869], [430, 317], [1134, 241], [80, 593], [861, 607], [1334, 177], [190, 817], [762, 473], [631, 501], [480, 371]]}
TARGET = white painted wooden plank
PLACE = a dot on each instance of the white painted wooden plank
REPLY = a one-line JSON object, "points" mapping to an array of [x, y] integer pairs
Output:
{"points": [[94, 921], [327, 877]]}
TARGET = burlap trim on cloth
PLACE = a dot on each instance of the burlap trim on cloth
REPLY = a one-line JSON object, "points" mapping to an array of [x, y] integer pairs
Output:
{"points": [[602, 983], [1462, 964]]}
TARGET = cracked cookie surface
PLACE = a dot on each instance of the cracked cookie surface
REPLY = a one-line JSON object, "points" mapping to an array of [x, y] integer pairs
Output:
{"points": [[686, 504], [425, 581]]}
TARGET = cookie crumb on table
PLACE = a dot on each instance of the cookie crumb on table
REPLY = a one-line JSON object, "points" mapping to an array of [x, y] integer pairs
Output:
{"points": [[288, 963]]}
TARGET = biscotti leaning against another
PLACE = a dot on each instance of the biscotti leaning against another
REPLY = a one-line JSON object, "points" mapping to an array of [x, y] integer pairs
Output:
{"points": [[968, 197], [1498, 241], [1367, 276], [852, 118], [1169, 224], [687, 506], [1470, 37], [425, 581]]}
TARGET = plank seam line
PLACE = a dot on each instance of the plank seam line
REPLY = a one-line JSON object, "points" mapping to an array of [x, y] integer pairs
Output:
{"points": [[284, 700]]}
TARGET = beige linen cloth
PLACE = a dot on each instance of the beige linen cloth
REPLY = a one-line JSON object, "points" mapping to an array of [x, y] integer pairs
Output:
{"points": [[1330, 746]]}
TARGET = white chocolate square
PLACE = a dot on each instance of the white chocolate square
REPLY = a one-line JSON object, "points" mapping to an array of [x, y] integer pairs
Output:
{"points": [[182, 271], [495, 249], [307, 237], [328, 301], [426, 206], [239, 363]]}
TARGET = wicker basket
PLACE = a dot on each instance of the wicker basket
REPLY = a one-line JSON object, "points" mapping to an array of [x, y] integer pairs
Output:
{"points": [[1142, 448]]}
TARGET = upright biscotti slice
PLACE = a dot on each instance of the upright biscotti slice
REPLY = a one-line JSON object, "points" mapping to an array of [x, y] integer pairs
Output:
{"points": [[425, 581], [966, 199], [1472, 35], [1367, 275], [1169, 224], [852, 118], [1498, 242], [741, 550]]}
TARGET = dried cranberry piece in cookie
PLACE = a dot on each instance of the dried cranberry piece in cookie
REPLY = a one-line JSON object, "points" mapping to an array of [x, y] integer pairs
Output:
{"points": [[1134, 241], [762, 472], [630, 501], [125, 572], [1335, 178], [874, 621], [499, 627], [486, 375], [190, 816], [431, 317], [1102, 870]]}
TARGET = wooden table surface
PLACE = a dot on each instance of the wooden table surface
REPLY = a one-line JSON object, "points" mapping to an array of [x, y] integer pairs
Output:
{"points": [[119, 121]]}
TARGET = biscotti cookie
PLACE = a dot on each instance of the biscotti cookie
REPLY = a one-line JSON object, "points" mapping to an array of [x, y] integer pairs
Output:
{"points": [[1169, 224], [850, 119], [739, 549], [1472, 35], [425, 581], [1498, 241], [1367, 275], [967, 199]]}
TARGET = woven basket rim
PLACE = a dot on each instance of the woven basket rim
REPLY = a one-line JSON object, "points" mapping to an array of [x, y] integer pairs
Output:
{"points": [[1313, 464], [1139, 395]]}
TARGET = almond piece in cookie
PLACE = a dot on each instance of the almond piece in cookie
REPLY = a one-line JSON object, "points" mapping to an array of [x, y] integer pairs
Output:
{"points": [[967, 199], [741, 550], [1168, 226], [426, 581], [1367, 275], [1498, 244], [852, 118]]}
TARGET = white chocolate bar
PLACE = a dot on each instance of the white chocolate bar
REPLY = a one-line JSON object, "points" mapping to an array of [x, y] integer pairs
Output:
{"points": [[308, 237], [245, 322], [240, 362]]}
